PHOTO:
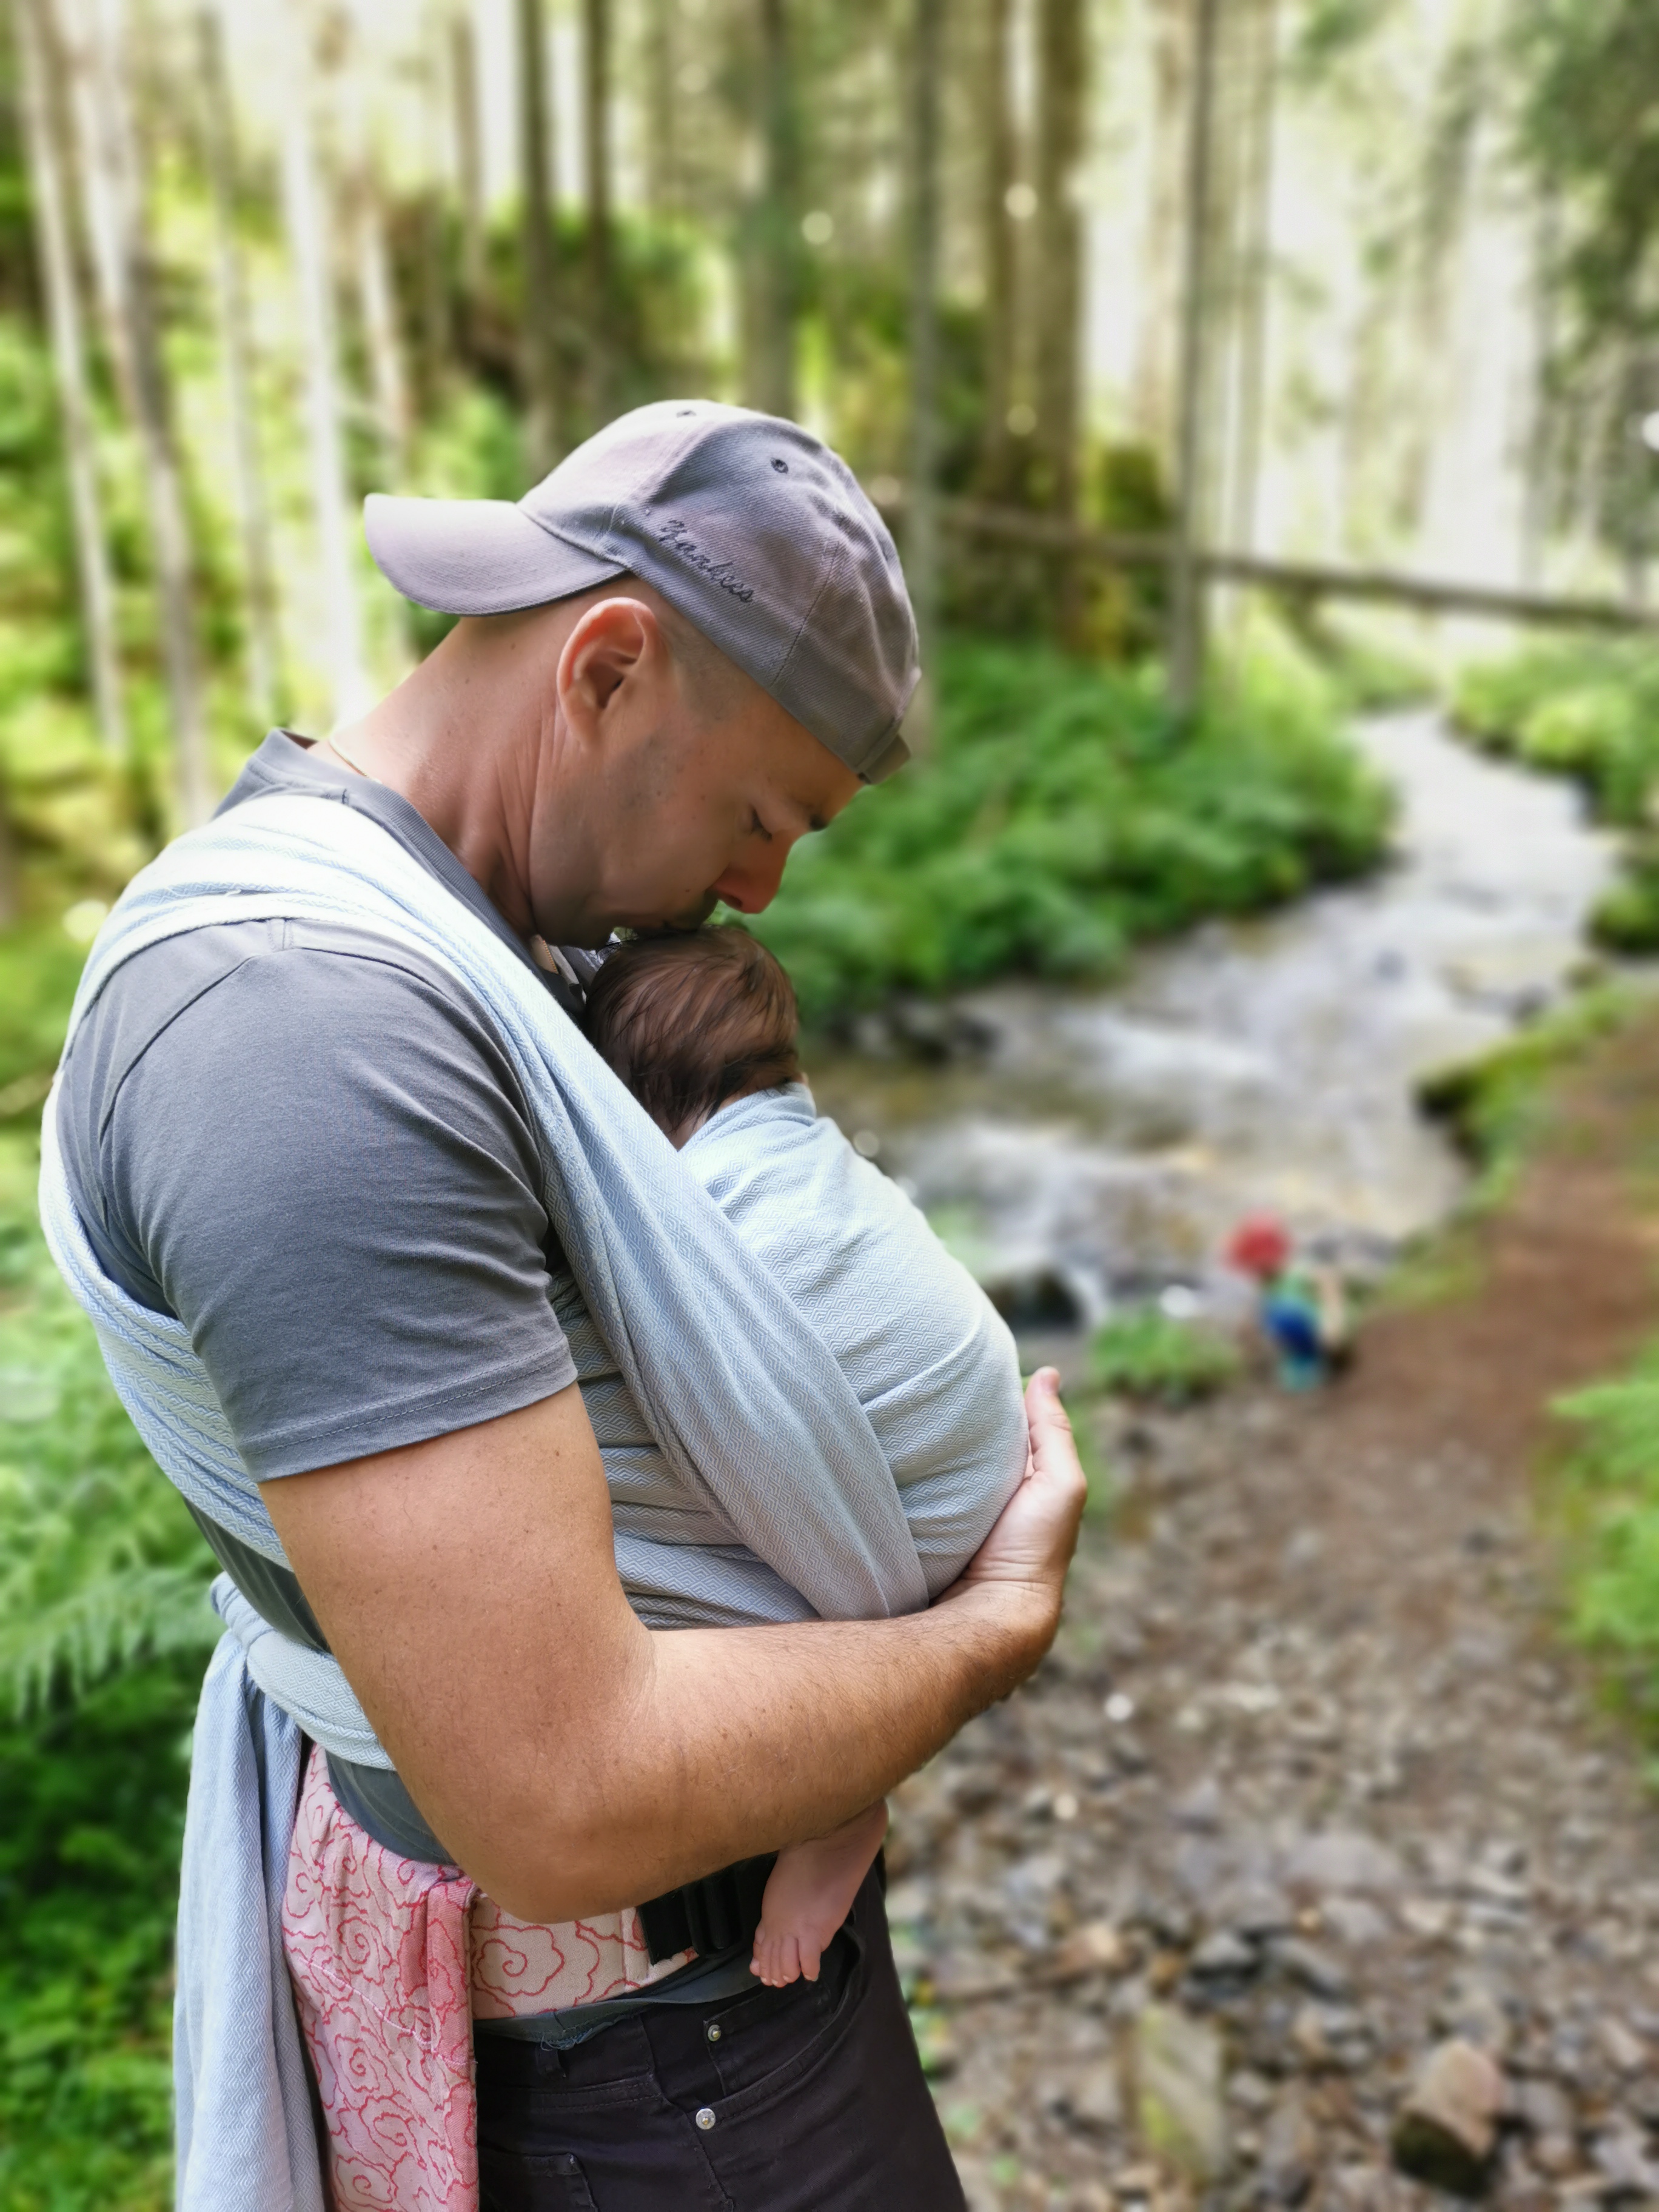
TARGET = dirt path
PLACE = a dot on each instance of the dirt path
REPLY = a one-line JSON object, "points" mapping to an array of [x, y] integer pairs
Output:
{"points": [[1309, 1786]]}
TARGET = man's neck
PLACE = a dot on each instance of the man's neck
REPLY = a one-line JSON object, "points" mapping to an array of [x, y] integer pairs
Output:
{"points": [[464, 747]]}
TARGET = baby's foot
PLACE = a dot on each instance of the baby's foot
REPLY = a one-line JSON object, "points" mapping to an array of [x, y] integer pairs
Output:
{"points": [[809, 1893]]}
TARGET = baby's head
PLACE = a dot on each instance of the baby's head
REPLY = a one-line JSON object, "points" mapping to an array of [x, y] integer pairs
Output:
{"points": [[692, 1021]]}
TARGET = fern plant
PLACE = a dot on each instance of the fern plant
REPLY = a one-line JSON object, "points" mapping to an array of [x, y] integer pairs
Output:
{"points": [[1616, 1476], [99, 1563]]}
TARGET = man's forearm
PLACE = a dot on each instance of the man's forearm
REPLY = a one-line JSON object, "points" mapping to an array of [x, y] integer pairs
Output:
{"points": [[572, 1760], [740, 1741]]}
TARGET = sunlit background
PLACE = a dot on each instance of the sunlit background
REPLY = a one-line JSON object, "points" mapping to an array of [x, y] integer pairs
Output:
{"points": [[1265, 395]]}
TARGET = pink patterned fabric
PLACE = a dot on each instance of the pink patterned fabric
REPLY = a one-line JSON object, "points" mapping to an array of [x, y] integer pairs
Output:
{"points": [[391, 1960]]}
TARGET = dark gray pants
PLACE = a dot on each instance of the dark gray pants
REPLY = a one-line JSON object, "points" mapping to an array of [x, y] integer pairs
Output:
{"points": [[805, 2099]]}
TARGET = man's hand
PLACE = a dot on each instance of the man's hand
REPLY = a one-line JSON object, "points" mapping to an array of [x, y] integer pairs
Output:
{"points": [[573, 1761], [1027, 1554]]}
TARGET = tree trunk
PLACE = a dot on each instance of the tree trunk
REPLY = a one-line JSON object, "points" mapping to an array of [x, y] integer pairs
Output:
{"points": [[69, 363], [1255, 273], [380, 310], [1063, 80], [996, 124], [93, 157], [596, 87], [330, 497], [921, 547], [662, 169], [236, 340], [1186, 596], [1063, 66], [543, 379], [136, 317], [772, 227], [1157, 343], [469, 154]]}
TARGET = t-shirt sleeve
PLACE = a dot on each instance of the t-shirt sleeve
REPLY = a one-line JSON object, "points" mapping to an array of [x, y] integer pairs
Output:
{"points": [[328, 1166]]}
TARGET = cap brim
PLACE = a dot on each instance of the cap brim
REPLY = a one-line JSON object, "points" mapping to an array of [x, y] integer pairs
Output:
{"points": [[888, 762], [475, 556]]}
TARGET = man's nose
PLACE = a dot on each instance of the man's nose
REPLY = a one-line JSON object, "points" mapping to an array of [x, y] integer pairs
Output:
{"points": [[749, 884]]}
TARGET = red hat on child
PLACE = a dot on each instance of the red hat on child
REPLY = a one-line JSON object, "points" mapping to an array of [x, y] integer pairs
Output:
{"points": [[1260, 1245]]}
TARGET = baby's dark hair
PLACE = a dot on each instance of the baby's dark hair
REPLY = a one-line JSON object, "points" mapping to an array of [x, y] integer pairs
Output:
{"points": [[691, 1020]]}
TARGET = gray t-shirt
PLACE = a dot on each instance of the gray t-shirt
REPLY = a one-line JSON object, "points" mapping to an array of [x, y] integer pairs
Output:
{"points": [[304, 1144]]}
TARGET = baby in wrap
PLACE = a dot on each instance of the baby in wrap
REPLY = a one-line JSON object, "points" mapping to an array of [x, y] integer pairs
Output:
{"points": [[702, 1027]]}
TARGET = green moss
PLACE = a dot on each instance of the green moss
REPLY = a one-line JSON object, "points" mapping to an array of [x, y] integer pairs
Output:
{"points": [[1143, 1353]]}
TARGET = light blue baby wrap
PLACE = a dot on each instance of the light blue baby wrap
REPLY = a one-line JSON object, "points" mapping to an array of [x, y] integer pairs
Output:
{"points": [[751, 1475]]}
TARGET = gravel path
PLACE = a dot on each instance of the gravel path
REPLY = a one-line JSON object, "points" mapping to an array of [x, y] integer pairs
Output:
{"points": [[1308, 1787]]}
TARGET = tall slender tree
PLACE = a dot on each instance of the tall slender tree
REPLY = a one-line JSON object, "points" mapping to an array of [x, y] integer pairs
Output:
{"points": [[1255, 273], [596, 87], [303, 211], [929, 32], [540, 248], [662, 169], [114, 158], [55, 251], [1186, 595], [1063, 90], [771, 224], [236, 346], [469, 152], [1153, 381], [1062, 83], [997, 154]]}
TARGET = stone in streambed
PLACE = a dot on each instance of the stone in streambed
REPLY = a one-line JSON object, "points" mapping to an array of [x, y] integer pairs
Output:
{"points": [[1447, 2132], [1179, 2092], [1290, 2150]]}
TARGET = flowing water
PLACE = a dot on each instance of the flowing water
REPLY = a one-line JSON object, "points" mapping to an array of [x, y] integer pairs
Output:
{"points": [[1100, 1144]]}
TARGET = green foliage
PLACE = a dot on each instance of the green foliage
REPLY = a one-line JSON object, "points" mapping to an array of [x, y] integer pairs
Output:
{"points": [[1614, 1478], [1588, 708], [1589, 127], [1497, 1106], [1143, 1353], [100, 1564], [1064, 816], [94, 1797], [103, 1625]]}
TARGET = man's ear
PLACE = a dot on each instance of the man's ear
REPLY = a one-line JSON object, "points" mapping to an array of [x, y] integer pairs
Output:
{"points": [[615, 642]]}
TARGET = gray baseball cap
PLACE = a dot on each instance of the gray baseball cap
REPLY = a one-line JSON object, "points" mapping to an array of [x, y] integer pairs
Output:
{"points": [[747, 524]]}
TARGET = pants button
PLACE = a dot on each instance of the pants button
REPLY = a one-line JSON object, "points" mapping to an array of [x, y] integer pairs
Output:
{"points": [[713, 2031], [706, 2117]]}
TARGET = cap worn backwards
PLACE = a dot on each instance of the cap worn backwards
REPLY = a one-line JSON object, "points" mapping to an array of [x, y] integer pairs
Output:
{"points": [[747, 524]]}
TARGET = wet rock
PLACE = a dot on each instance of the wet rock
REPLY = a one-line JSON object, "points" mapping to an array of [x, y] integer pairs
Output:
{"points": [[1315, 1970], [1355, 1922], [1448, 2129], [1179, 2104], [1473, 2011], [1620, 2153], [1095, 1948], [1252, 1908], [1200, 1808], [1224, 1957], [1290, 2150], [1340, 1859], [1543, 2107], [1332, 2035], [1091, 2100], [1625, 2049]]}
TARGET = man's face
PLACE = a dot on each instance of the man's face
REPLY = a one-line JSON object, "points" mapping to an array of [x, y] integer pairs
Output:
{"points": [[716, 813], [684, 808]]}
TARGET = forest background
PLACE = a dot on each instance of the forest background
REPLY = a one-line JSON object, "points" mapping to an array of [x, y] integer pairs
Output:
{"points": [[1350, 281]]}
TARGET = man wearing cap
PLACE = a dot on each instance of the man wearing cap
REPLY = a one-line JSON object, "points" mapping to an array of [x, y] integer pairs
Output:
{"points": [[308, 1162]]}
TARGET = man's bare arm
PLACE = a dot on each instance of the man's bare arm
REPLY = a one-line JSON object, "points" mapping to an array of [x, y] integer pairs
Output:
{"points": [[574, 1761]]}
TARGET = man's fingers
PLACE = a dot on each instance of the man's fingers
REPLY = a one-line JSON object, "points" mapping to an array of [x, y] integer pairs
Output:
{"points": [[1053, 1450]]}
